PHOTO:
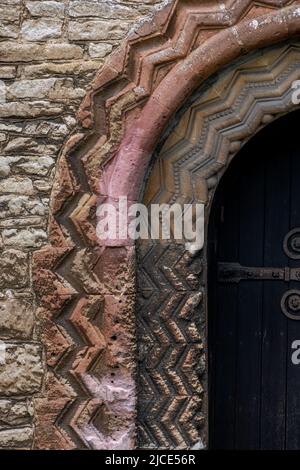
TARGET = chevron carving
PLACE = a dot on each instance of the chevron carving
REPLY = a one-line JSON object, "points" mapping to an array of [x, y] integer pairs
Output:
{"points": [[87, 293], [172, 394]]}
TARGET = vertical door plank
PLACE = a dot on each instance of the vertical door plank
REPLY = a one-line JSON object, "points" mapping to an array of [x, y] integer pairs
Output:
{"points": [[293, 370], [248, 339], [274, 323], [224, 334], [255, 398]]}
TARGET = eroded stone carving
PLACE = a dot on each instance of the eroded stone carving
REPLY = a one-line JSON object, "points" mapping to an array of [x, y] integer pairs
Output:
{"points": [[81, 313], [224, 114]]}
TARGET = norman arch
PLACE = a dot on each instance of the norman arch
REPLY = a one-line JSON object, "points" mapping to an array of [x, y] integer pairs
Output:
{"points": [[91, 288], [224, 114]]}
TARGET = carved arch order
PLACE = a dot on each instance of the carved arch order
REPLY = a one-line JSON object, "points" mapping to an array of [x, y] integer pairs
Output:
{"points": [[87, 292], [172, 307]]}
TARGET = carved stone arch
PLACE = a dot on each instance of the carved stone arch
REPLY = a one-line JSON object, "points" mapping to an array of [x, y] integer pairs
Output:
{"points": [[172, 299], [86, 290]]}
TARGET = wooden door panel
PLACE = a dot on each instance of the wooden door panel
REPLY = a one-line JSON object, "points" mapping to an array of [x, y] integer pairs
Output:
{"points": [[254, 386], [293, 374], [251, 227], [274, 323]]}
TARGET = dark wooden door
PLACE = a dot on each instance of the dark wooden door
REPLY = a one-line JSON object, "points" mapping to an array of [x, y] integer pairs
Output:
{"points": [[254, 295]]}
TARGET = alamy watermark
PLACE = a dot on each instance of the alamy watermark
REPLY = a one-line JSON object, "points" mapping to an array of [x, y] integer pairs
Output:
{"points": [[123, 220]]}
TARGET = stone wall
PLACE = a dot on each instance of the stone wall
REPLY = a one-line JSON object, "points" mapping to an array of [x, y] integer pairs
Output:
{"points": [[50, 51]]}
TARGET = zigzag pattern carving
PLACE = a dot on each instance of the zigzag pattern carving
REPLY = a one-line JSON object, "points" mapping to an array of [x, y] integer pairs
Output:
{"points": [[135, 70], [171, 316], [87, 300]]}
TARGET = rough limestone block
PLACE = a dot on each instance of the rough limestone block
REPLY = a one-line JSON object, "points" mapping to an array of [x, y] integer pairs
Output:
{"points": [[93, 30], [21, 370], [29, 146], [99, 50], [16, 317], [46, 8], [24, 238], [42, 29], [8, 72], [16, 185], [14, 271], [56, 89], [21, 52], [30, 165], [37, 89], [8, 30], [15, 412], [84, 8], [19, 206], [33, 109], [16, 438], [76, 67]]}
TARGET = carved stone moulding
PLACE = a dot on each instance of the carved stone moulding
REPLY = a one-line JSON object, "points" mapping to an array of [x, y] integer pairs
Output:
{"points": [[172, 309], [86, 291]]}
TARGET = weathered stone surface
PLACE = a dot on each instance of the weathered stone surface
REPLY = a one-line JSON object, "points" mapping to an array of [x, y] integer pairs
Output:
{"points": [[16, 318], [42, 185], [38, 166], [15, 412], [22, 52], [93, 30], [27, 115], [99, 50], [9, 12], [24, 238], [8, 72], [22, 370], [42, 29], [16, 438], [14, 269], [4, 167], [150, 2], [20, 206], [47, 128], [43, 78], [37, 89], [28, 145], [11, 2], [30, 165], [10, 127], [16, 185], [8, 30], [56, 89], [64, 90], [70, 68], [32, 109], [46, 8], [82, 8]]}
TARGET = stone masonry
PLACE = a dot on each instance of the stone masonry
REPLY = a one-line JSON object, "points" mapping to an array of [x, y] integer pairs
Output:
{"points": [[89, 92], [49, 53]]}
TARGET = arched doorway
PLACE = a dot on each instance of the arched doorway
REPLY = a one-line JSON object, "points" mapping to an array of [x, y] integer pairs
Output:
{"points": [[132, 100], [173, 299], [254, 296]]}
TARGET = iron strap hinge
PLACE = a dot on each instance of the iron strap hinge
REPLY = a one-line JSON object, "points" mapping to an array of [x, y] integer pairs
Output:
{"points": [[234, 272]]}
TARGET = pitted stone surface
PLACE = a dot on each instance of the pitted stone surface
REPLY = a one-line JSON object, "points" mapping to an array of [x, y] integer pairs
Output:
{"points": [[16, 317], [16, 438], [50, 51], [21, 369], [14, 269], [131, 101], [15, 412]]}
